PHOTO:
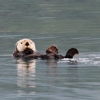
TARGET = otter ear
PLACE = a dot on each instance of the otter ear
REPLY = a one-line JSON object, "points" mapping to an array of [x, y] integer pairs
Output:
{"points": [[16, 44]]}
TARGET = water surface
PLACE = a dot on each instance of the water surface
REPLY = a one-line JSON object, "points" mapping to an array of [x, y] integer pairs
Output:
{"points": [[66, 23]]}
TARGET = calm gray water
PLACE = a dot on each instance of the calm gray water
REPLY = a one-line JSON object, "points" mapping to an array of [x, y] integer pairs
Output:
{"points": [[66, 23]]}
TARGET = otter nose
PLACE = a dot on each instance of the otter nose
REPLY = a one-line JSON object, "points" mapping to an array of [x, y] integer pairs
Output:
{"points": [[27, 44]]}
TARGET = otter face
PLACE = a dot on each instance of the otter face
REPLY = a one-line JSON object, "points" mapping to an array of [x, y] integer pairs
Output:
{"points": [[25, 44]]}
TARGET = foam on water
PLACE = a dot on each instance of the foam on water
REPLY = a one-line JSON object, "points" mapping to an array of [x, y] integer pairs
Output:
{"points": [[84, 59]]}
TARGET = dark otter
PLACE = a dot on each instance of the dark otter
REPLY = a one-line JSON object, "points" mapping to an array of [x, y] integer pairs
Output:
{"points": [[52, 53]]}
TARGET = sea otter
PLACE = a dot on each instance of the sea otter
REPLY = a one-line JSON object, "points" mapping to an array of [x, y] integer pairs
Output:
{"points": [[52, 53], [25, 48]]}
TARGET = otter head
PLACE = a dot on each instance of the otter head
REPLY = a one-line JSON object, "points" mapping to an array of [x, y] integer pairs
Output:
{"points": [[52, 49], [25, 46]]}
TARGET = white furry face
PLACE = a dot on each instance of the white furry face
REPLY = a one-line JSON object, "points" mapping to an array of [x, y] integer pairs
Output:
{"points": [[21, 45]]}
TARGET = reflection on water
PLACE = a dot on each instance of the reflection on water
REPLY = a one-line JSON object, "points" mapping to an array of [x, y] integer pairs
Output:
{"points": [[72, 74], [26, 73], [52, 66], [52, 63]]}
